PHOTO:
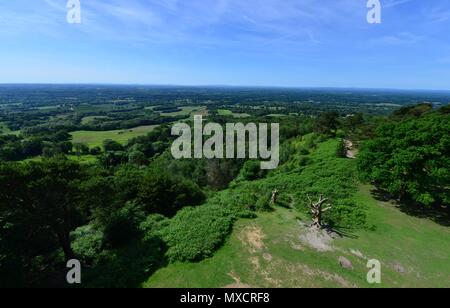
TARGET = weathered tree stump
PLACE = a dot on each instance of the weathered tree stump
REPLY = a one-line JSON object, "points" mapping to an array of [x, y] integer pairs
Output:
{"points": [[274, 198], [317, 211]]}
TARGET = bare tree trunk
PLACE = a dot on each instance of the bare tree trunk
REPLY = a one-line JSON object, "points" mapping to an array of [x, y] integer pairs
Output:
{"points": [[274, 198], [317, 211]]}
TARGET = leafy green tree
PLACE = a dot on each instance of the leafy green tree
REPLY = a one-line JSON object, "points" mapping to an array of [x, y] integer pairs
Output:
{"points": [[411, 159], [60, 136], [112, 146], [415, 111], [112, 159], [251, 171], [65, 147], [123, 225], [159, 193], [327, 123], [352, 122], [32, 147], [81, 149], [45, 196], [137, 158], [51, 149], [11, 151], [95, 151]]}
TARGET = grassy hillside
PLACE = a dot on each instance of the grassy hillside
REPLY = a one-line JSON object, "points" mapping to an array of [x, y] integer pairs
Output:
{"points": [[277, 250], [266, 252], [96, 138]]}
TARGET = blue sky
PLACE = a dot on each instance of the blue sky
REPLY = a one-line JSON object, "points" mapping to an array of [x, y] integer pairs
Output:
{"points": [[304, 43]]}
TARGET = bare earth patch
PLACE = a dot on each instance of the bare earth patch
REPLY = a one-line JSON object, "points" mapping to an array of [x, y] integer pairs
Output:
{"points": [[319, 240], [300, 274], [268, 257], [351, 152], [237, 284], [358, 254], [253, 237]]}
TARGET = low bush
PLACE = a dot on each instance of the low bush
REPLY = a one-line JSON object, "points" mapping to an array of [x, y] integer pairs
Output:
{"points": [[195, 233], [87, 243]]}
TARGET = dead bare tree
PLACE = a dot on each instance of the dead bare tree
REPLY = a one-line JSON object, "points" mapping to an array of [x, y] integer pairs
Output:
{"points": [[274, 198], [317, 211]]}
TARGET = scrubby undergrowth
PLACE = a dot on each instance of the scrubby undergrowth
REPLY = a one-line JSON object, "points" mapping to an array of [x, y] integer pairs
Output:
{"points": [[195, 233]]}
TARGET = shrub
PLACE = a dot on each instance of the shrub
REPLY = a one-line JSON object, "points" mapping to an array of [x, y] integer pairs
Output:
{"points": [[347, 214], [195, 233], [303, 150], [152, 225], [304, 161], [87, 242], [263, 203], [311, 141], [251, 171]]}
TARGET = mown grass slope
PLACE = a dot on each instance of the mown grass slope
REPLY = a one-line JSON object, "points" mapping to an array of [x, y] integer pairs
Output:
{"points": [[269, 251]]}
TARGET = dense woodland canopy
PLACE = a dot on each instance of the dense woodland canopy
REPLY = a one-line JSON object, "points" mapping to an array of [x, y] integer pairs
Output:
{"points": [[134, 208]]}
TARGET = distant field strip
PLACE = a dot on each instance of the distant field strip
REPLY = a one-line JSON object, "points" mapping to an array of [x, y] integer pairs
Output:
{"points": [[96, 138], [229, 113], [186, 111], [83, 159], [91, 119]]}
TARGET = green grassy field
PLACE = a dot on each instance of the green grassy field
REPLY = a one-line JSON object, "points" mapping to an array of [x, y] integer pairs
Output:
{"points": [[229, 113], [89, 108], [90, 119], [48, 108], [277, 115], [266, 252], [187, 111], [96, 138]]}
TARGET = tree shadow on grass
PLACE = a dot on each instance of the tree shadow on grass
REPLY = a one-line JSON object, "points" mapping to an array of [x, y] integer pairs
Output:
{"points": [[381, 195], [342, 231], [437, 214]]}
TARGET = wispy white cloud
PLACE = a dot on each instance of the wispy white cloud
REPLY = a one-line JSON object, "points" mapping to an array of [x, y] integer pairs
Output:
{"points": [[393, 3], [214, 21], [403, 38], [438, 14]]}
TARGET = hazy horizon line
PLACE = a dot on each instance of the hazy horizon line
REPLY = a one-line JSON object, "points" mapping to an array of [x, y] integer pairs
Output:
{"points": [[222, 86]]}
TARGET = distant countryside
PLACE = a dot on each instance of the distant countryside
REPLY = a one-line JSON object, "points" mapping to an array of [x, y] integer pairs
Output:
{"points": [[363, 175]]}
